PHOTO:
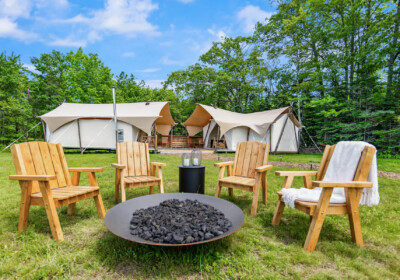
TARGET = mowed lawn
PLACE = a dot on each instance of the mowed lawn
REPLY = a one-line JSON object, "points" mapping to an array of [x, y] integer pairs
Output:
{"points": [[257, 251]]}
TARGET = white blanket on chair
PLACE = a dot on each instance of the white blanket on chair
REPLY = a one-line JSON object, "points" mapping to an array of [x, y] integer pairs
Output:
{"points": [[342, 167]]}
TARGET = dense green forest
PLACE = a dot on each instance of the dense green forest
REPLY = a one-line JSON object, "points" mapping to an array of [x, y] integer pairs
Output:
{"points": [[338, 61]]}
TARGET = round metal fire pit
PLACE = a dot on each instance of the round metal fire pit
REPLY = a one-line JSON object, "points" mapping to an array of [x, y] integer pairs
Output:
{"points": [[118, 218]]}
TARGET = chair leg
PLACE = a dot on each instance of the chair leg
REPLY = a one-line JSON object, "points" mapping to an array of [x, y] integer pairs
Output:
{"points": [[122, 183], [280, 206], [318, 220], [354, 215], [159, 172], [264, 188], [218, 190], [151, 191], [230, 190], [255, 200], [123, 193], [26, 190], [51, 211], [71, 209], [99, 205], [117, 183]]}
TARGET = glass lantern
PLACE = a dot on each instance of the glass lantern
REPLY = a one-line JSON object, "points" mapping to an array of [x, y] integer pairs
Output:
{"points": [[185, 159], [196, 157]]}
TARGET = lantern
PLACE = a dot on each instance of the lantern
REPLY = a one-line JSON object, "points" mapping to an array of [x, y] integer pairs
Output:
{"points": [[196, 157], [185, 159]]}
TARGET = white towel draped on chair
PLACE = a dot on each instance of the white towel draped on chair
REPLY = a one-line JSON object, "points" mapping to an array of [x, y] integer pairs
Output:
{"points": [[342, 167]]}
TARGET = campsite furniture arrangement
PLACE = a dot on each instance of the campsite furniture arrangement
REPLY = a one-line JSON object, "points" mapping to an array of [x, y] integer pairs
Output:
{"points": [[118, 218], [90, 126], [318, 210], [134, 169], [44, 179], [247, 172], [191, 178], [278, 127]]}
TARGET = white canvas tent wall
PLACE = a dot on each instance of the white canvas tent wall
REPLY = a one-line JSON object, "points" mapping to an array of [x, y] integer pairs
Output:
{"points": [[278, 127], [90, 125]]}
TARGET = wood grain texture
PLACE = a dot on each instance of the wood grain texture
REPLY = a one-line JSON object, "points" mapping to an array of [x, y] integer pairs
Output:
{"points": [[140, 171], [248, 172], [318, 210], [44, 178]]}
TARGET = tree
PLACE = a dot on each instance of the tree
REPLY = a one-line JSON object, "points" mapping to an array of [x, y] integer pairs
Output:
{"points": [[14, 106]]}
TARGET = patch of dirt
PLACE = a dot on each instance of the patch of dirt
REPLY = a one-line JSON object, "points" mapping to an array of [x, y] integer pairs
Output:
{"points": [[315, 166]]}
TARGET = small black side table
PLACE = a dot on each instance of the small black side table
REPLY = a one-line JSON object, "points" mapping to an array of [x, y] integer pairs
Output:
{"points": [[191, 179]]}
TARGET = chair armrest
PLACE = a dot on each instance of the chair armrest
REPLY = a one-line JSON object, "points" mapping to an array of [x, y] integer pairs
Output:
{"points": [[158, 164], [349, 184], [32, 177], [86, 169], [296, 173], [118, 166], [223, 164], [264, 168]]}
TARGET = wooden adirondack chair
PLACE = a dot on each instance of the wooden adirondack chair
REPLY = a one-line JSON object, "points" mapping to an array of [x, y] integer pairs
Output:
{"points": [[44, 179], [318, 210], [248, 172], [134, 169]]}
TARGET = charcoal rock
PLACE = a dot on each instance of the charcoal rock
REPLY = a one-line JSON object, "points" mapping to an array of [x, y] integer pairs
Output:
{"points": [[179, 222]]}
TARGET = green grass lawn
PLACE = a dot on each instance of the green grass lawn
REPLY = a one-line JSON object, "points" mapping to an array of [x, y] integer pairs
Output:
{"points": [[388, 165], [257, 251]]}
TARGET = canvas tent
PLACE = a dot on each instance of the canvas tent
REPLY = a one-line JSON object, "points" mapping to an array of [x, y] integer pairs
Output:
{"points": [[91, 125], [278, 127]]}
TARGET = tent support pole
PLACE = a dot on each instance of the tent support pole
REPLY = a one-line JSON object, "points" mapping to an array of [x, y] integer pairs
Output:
{"points": [[295, 137], [217, 140], [283, 129], [44, 131], [79, 136], [155, 138], [208, 128]]}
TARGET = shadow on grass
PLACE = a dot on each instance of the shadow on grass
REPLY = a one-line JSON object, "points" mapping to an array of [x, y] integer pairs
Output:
{"points": [[132, 259], [294, 227], [39, 222]]}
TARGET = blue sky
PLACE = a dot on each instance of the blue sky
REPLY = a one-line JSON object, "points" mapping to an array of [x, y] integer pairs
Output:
{"points": [[147, 38]]}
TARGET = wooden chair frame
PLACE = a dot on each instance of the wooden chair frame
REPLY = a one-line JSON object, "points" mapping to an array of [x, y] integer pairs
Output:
{"points": [[44, 179], [134, 169], [248, 172], [318, 210]]}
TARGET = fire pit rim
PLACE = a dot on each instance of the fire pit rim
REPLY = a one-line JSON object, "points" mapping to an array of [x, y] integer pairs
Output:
{"points": [[239, 215]]}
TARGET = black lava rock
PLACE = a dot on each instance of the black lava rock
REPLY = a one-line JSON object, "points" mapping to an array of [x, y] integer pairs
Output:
{"points": [[179, 222]]}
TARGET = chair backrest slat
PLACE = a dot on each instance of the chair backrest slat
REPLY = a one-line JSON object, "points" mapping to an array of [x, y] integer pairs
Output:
{"points": [[135, 156], [41, 158], [250, 155], [364, 164], [326, 158]]}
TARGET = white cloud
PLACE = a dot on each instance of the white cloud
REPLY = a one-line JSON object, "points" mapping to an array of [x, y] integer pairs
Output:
{"points": [[149, 70], [30, 67], [154, 83], [68, 42], [10, 29], [250, 15], [167, 61], [123, 17], [186, 1], [219, 34], [14, 9], [128, 54]]}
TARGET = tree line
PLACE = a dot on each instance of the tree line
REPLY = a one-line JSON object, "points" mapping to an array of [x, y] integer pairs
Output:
{"points": [[337, 61]]}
